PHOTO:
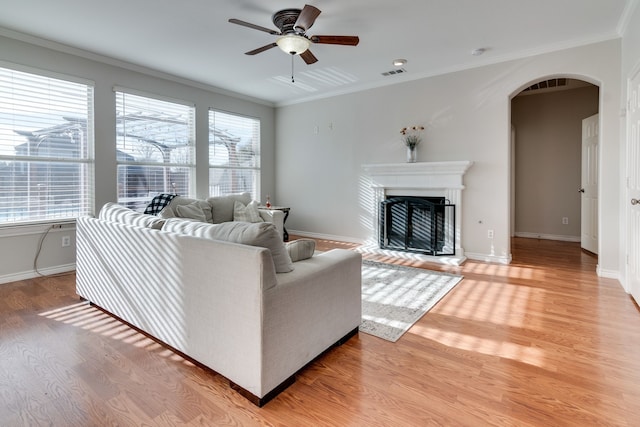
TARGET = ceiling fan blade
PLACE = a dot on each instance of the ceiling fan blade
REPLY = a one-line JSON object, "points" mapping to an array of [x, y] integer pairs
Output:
{"points": [[261, 49], [308, 57], [343, 40], [254, 26], [307, 17]]}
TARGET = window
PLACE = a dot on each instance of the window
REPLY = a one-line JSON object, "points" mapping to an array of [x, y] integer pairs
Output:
{"points": [[155, 148], [234, 154], [46, 148]]}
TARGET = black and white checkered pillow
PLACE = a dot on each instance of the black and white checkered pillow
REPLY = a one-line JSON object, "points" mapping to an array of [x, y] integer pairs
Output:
{"points": [[158, 203]]}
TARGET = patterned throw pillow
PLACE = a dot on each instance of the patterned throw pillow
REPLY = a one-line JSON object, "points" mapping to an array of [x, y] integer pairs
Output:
{"points": [[301, 249], [248, 213]]}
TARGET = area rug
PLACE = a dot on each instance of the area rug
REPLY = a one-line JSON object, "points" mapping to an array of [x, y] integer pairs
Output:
{"points": [[395, 297]]}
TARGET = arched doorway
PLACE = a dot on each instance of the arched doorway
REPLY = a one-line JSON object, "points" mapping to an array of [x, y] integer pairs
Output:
{"points": [[546, 173]]}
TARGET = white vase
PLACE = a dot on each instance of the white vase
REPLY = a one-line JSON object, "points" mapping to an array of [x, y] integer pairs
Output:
{"points": [[412, 153]]}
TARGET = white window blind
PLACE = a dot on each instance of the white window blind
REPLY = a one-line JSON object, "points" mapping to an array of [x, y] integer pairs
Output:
{"points": [[46, 148], [155, 148], [234, 154]]}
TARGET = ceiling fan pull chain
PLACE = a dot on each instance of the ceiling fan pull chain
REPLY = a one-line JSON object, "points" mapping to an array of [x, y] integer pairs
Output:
{"points": [[292, 81]]}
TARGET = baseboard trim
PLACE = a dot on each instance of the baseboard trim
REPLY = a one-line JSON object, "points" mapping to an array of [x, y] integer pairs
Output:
{"points": [[47, 271], [489, 258], [609, 274], [559, 237]]}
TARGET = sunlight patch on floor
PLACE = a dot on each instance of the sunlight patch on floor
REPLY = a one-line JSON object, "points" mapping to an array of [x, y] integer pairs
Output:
{"points": [[521, 353], [506, 271], [495, 303], [84, 316]]}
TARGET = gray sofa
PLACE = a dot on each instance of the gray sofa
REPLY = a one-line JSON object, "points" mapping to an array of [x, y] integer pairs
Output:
{"points": [[220, 303]]}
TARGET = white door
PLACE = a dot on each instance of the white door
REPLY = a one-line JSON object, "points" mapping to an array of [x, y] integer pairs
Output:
{"points": [[589, 186], [633, 187]]}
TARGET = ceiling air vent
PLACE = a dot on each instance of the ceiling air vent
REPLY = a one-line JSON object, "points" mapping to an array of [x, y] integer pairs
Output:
{"points": [[394, 72]]}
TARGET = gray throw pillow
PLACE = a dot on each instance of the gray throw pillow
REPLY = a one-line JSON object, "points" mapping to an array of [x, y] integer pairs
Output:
{"points": [[191, 211], [301, 249], [171, 210], [263, 234], [222, 206]]}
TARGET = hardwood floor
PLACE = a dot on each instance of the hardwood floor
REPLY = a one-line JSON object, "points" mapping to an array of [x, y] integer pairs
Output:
{"points": [[541, 342]]}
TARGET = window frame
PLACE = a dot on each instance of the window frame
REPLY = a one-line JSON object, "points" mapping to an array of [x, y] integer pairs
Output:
{"points": [[82, 202], [124, 165], [255, 169]]}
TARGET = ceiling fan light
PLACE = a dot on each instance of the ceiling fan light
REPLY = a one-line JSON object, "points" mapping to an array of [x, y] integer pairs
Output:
{"points": [[293, 44]]}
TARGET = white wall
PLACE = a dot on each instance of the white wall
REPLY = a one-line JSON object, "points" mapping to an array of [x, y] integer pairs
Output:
{"points": [[18, 245], [467, 115]]}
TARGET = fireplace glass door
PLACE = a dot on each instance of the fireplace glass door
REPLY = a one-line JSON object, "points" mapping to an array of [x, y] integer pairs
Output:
{"points": [[417, 224]]}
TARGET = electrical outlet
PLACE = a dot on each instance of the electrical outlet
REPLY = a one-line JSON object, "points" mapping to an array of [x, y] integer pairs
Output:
{"points": [[490, 234], [66, 241], [565, 220]]}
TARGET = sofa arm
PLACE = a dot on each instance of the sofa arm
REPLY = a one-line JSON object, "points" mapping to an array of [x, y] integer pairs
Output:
{"points": [[274, 216]]}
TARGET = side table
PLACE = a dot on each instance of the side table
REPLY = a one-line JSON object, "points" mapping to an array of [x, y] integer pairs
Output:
{"points": [[285, 233]]}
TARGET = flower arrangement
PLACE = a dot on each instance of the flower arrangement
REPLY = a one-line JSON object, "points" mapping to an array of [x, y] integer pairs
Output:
{"points": [[411, 136]]}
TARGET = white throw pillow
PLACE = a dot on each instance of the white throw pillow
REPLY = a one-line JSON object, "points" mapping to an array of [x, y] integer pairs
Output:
{"points": [[263, 234], [248, 213], [118, 213], [301, 249], [191, 211]]}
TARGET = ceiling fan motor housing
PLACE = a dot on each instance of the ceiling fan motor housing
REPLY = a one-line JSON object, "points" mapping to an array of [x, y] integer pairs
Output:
{"points": [[286, 19]]}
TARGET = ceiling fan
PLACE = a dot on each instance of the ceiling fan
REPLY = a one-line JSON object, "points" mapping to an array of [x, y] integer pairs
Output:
{"points": [[293, 25]]}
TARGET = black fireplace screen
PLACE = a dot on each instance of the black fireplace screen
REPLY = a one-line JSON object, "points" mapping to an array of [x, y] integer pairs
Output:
{"points": [[418, 224]]}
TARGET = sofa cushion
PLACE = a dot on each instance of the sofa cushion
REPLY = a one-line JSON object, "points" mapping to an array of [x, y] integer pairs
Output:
{"points": [[263, 234], [118, 213], [248, 213], [222, 206], [301, 249]]}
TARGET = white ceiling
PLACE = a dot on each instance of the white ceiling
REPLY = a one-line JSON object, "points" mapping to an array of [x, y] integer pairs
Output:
{"points": [[192, 39]]}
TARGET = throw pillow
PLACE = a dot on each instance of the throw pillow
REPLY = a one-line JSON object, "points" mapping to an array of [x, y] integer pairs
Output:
{"points": [[191, 211], [248, 213], [222, 206], [170, 211], [301, 249], [263, 234], [118, 213]]}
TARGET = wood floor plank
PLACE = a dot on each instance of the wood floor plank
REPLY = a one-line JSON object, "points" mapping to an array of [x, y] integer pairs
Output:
{"points": [[540, 342]]}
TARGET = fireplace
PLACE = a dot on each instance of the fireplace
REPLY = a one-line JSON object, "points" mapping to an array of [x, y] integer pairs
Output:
{"points": [[426, 180], [424, 225]]}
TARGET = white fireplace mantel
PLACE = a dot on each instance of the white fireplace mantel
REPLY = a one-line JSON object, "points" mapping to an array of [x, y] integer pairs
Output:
{"points": [[419, 175], [442, 179]]}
